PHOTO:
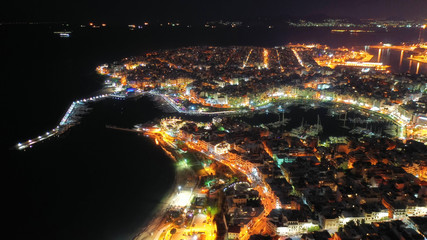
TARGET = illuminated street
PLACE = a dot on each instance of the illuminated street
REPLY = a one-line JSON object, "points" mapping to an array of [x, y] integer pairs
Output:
{"points": [[219, 120]]}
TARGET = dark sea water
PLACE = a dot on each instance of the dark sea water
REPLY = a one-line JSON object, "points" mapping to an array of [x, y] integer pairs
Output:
{"points": [[398, 61], [93, 182]]}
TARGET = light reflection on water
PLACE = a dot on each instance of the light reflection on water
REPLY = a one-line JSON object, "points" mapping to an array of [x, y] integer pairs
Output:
{"points": [[398, 61]]}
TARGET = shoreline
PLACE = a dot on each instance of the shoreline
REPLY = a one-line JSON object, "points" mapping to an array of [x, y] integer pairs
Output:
{"points": [[150, 227]]}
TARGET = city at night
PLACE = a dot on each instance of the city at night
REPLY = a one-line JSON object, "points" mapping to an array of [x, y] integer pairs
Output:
{"points": [[216, 120]]}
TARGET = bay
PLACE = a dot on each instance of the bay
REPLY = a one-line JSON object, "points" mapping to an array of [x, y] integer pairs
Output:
{"points": [[93, 182]]}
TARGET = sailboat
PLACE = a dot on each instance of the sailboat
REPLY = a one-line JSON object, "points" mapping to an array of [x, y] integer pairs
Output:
{"points": [[345, 120], [315, 130]]}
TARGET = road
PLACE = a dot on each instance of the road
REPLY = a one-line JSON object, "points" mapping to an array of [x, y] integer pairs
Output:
{"points": [[179, 199], [268, 199], [196, 113]]}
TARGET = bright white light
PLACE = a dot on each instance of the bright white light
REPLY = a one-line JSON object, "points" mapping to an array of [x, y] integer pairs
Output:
{"points": [[182, 199]]}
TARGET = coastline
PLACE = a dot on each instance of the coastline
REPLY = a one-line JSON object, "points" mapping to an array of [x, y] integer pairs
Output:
{"points": [[156, 217], [151, 227]]}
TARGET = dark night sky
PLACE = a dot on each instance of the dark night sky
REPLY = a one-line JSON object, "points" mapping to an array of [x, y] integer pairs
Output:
{"points": [[133, 10]]}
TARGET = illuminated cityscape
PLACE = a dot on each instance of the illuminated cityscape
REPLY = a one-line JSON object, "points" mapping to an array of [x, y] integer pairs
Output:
{"points": [[283, 183], [240, 79]]}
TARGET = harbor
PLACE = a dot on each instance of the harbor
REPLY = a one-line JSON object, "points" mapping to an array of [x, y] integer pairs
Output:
{"points": [[74, 113]]}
